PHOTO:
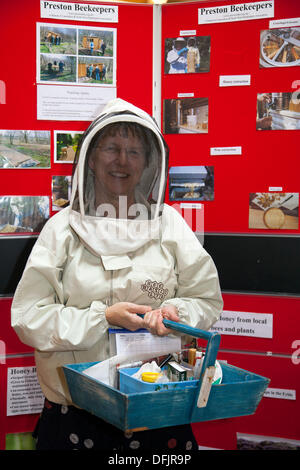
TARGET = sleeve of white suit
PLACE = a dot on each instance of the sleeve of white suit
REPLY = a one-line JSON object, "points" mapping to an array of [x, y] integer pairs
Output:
{"points": [[38, 314]]}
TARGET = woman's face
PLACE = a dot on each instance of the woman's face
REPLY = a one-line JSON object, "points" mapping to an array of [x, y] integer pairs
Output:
{"points": [[118, 162]]}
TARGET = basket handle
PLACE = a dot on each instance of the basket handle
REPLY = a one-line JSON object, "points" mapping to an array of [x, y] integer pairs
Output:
{"points": [[208, 367]]}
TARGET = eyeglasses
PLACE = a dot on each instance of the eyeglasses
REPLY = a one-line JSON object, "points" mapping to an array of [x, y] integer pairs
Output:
{"points": [[115, 151]]}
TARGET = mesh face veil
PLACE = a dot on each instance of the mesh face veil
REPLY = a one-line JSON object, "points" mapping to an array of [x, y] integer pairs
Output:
{"points": [[119, 181], [121, 163]]}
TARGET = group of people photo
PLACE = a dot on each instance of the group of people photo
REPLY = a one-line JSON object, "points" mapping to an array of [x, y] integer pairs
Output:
{"points": [[96, 71]]}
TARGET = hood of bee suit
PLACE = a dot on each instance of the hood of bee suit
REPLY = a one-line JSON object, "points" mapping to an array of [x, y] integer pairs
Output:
{"points": [[103, 232]]}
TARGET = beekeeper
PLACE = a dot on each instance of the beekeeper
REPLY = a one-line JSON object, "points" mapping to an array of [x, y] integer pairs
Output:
{"points": [[116, 251], [177, 56]]}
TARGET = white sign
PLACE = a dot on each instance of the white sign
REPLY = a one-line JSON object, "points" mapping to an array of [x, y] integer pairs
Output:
{"points": [[275, 188], [284, 23], [185, 95], [226, 150], [188, 32], [239, 12], [79, 11], [190, 205], [142, 342], [258, 325], [280, 393], [234, 80], [24, 395], [71, 103]]}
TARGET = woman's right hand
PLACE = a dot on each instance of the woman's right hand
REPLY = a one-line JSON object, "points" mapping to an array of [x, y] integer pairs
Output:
{"points": [[124, 314]]}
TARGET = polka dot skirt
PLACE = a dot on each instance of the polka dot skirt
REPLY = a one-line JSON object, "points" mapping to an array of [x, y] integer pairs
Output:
{"points": [[62, 427]]}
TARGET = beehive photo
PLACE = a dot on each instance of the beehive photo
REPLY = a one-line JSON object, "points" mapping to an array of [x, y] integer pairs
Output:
{"points": [[95, 70], [61, 192], [65, 145], [96, 42], [57, 40]]}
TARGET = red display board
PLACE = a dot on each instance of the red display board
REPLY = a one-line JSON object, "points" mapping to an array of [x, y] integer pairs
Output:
{"points": [[270, 158], [276, 415], [285, 312]]}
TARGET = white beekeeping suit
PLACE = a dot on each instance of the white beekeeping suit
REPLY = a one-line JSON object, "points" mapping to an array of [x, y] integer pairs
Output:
{"points": [[177, 56], [86, 259]]}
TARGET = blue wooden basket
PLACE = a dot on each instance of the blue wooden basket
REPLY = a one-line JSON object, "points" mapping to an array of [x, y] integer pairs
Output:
{"points": [[238, 395]]}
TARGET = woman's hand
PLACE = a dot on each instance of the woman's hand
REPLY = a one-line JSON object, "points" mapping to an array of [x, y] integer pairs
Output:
{"points": [[124, 314], [153, 320]]}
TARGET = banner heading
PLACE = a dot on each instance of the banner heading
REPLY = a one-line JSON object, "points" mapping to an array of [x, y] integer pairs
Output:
{"points": [[239, 12], [79, 11]]}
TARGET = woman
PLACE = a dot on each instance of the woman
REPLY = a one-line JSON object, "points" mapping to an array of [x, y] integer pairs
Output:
{"points": [[95, 264]]}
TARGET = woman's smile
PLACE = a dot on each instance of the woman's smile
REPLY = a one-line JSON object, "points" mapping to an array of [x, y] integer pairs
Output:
{"points": [[117, 174]]}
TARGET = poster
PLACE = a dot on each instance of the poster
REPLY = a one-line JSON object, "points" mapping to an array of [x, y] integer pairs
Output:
{"points": [[69, 56], [76, 55], [236, 12], [79, 11], [24, 395], [257, 325], [72, 103]]}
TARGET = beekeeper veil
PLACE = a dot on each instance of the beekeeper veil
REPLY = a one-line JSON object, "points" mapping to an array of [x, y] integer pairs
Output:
{"points": [[119, 180]]}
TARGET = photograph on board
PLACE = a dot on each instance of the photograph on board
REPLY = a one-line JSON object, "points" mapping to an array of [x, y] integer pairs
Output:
{"points": [[65, 145], [280, 47], [274, 211], [24, 149], [278, 111], [97, 71], [20, 440], [57, 68], [185, 116], [191, 183], [57, 40], [187, 54], [23, 214], [96, 42], [61, 192], [257, 443]]}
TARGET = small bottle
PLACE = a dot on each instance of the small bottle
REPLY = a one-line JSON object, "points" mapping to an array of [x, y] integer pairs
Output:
{"points": [[192, 356], [198, 365]]}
